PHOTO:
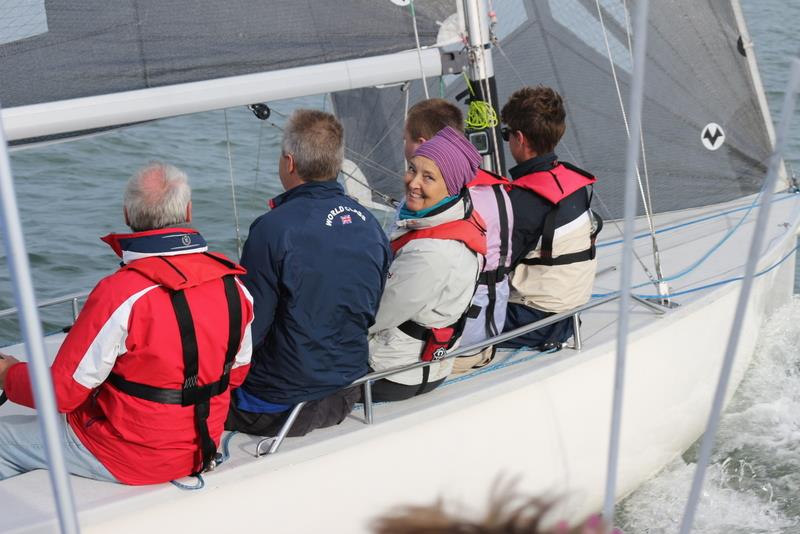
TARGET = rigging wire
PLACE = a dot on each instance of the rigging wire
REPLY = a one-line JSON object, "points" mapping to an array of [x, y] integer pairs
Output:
{"points": [[258, 157], [599, 197], [419, 48], [661, 286], [233, 186], [385, 198]]}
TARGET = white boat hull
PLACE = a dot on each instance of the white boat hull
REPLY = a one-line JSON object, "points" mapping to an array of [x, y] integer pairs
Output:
{"points": [[545, 421]]}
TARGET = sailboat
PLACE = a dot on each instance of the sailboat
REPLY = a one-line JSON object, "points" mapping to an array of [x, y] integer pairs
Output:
{"points": [[74, 69]]}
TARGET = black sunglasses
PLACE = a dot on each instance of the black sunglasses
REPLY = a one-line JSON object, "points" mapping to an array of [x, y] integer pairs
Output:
{"points": [[505, 133]]}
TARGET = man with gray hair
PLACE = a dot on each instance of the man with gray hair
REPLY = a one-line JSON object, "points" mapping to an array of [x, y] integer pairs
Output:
{"points": [[316, 266], [144, 374]]}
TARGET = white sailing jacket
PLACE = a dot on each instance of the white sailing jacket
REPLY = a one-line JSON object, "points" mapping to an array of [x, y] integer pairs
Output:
{"points": [[430, 282]]}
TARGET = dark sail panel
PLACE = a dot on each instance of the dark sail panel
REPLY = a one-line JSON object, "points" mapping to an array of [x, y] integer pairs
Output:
{"points": [[696, 78], [64, 49]]}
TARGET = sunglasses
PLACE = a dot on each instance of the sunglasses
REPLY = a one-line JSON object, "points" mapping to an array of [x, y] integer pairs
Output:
{"points": [[505, 133]]}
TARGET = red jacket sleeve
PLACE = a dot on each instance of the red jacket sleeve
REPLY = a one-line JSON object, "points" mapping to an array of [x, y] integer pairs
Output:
{"points": [[89, 351]]}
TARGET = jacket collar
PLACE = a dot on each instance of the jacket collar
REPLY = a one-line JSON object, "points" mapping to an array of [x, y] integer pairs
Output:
{"points": [[537, 164], [163, 242], [461, 208], [326, 189]]}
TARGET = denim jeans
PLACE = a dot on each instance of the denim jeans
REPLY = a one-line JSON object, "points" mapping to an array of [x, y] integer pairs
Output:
{"points": [[22, 449]]}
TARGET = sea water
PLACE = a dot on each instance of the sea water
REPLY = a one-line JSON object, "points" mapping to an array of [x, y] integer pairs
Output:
{"points": [[753, 483]]}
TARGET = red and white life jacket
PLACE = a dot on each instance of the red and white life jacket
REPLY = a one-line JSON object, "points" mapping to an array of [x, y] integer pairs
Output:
{"points": [[558, 274]]}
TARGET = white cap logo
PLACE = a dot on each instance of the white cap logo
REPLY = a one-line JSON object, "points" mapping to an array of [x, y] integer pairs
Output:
{"points": [[713, 136]]}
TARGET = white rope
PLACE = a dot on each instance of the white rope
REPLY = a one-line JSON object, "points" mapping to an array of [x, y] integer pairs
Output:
{"points": [[419, 49], [645, 196], [233, 186], [741, 308], [631, 166]]}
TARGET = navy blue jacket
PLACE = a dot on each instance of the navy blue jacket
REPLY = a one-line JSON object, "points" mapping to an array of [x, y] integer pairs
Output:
{"points": [[316, 267]]}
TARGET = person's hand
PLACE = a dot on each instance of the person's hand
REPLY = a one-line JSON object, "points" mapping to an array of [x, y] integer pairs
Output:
{"points": [[6, 361]]}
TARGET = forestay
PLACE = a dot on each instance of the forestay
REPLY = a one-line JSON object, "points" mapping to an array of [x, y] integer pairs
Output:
{"points": [[705, 138]]}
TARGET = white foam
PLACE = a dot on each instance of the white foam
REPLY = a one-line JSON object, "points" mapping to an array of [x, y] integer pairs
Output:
{"points": [[753, 485]]}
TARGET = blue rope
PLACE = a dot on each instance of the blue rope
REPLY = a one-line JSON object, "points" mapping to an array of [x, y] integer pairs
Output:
{"points": [[200, 484], [705, 256], [697, 221], [706, 286], [226, 453]]}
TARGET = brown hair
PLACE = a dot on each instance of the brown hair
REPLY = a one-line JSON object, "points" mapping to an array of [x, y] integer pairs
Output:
{"points": [[429, 117], [537, 112], [508, 513], [316, 141]]}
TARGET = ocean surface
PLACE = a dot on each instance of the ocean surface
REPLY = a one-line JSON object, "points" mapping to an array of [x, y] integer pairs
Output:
{"points": [[70, 194]]}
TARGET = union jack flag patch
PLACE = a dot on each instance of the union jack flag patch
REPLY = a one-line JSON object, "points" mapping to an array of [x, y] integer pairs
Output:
{"points": [[346, 219]]}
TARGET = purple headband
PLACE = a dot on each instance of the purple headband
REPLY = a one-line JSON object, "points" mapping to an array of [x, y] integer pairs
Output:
{"points": [[456, 158]]}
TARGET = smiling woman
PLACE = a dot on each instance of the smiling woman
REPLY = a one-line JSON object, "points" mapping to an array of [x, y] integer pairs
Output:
{"points": [[425, 186], [437, 245]]}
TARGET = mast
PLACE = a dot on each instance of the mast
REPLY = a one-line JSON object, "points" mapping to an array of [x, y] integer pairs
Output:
{"points": [[481, 73]]}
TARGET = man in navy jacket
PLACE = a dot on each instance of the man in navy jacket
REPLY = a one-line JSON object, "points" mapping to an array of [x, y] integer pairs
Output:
{"points": [[316, 266]]}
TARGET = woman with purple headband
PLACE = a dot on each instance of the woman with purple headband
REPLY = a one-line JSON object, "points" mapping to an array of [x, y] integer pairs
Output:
{"points": [[439, 243]]}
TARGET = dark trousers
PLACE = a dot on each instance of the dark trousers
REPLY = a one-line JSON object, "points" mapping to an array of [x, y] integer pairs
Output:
{"points": [[385, 390], [321, 413], [518, 315]]}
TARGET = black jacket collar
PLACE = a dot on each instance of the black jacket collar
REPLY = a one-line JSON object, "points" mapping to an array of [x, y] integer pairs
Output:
{"points": [[537, 164]]}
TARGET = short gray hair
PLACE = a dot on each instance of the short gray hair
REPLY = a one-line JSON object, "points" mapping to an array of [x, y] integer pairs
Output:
{"points": [[156, 197], [316, 141]]}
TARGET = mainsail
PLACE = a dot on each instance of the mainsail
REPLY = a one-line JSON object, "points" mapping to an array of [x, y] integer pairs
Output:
{"points": [[705, 139], [63, 50]]}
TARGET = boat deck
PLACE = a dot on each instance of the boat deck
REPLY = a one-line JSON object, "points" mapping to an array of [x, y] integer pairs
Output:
{"points": [[685, 238]]}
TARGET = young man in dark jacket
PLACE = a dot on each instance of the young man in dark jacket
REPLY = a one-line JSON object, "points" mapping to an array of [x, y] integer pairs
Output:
{"points": [[554, 229], [316, 266]]}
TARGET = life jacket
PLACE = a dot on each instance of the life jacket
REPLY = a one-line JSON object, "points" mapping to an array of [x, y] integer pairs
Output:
{"points": [[471, 231], [489, 194], [166, 273], [436, 341], [555, 185], [558, 274]]}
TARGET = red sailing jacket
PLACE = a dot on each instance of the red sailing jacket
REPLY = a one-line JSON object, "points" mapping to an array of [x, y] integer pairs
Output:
{"points": [[470, 231], [128, 325], [557, 183]]}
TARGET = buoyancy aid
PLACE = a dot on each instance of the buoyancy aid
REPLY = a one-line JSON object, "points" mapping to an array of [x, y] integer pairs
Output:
{"points": [[489, 193], [471, 231], [436, 341], [167, 273], [557, 275], [555, 185]]}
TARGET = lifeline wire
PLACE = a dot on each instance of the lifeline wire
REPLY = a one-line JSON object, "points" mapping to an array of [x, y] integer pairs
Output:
{"points": [[631, 168], [741, 308]]}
